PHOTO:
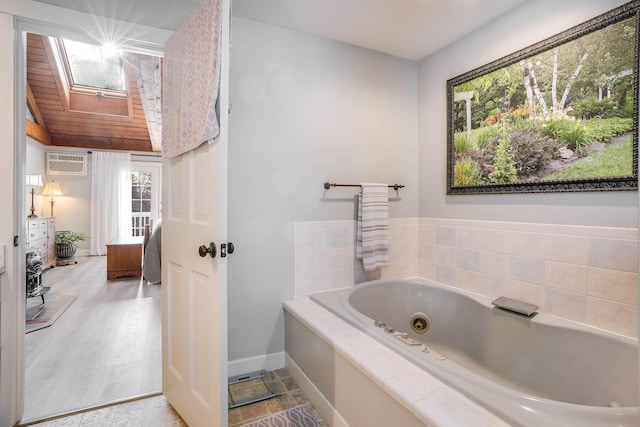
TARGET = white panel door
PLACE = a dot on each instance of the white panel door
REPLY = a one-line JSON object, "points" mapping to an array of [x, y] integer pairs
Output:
{"points": [[194, 288]]}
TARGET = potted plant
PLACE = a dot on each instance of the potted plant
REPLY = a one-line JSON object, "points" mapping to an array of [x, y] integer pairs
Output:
{"points": [[66, 246]]}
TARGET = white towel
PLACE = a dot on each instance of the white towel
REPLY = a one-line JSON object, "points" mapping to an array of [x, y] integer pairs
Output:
{"points": [[372, 231]]}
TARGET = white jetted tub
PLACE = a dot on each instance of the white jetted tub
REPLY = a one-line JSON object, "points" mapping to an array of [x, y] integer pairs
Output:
{"points": [[531, 371]]}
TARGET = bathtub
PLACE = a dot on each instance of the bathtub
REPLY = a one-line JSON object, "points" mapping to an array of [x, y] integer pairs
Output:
{"points": [[530, 371]]}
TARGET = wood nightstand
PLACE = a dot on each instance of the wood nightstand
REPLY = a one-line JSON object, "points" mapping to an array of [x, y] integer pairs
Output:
{"points": [[124, 257]]}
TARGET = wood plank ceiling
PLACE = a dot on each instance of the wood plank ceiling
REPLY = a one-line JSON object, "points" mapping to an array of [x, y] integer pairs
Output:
{"points": [[56, 125]]}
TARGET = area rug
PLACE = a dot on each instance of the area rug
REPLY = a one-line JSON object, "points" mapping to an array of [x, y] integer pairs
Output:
{"points": [[40, 315], [294, 417]]}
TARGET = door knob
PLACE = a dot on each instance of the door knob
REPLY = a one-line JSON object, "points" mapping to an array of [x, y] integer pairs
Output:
{"points": [[203, 250]]}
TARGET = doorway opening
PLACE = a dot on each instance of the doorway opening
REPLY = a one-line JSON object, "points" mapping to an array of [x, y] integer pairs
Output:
{"points": [[105, 345]]}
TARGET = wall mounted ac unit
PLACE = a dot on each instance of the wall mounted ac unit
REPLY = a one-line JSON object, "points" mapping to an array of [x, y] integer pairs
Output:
{"points": [[66, 164]]}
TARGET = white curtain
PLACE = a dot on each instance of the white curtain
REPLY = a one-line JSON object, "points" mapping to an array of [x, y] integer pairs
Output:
{"points": [[110, 199]]}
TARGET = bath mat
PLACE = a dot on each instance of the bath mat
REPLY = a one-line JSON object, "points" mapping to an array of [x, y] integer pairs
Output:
{"points": [[294, 417], [248, 388], [40, 315]]}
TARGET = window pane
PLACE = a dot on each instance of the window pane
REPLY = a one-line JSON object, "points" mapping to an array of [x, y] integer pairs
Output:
{"points": [[145, 178], [95, 66], [140, 199], [145, 193]]}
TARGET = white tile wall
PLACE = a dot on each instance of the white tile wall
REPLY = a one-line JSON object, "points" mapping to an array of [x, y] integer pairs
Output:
{"points": [[586, 274], [324, 254]]}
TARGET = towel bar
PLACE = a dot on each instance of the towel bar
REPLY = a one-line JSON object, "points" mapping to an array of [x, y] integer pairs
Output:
{"points": [[328, 185]]}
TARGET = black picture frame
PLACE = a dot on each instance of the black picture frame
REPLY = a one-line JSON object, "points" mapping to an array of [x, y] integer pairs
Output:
{"points": [[474, 168]]}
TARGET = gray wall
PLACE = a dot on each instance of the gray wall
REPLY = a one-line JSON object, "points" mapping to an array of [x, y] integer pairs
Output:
{"points": [[305, 110], [527, 24]]}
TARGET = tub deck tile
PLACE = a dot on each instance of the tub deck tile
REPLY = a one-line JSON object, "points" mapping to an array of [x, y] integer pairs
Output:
{"points": [[404, 393], [420, 382], [374, 371], [447, 407]]}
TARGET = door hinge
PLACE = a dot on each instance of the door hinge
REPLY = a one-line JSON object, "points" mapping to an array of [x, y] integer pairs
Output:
{"points": [[15, 241]]}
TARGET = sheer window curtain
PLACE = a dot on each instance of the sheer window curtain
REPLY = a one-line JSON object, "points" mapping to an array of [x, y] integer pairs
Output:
{"points": [[110, 199]]}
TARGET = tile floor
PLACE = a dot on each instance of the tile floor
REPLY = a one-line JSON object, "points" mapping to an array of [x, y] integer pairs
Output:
{"points": [[157, 412], [291, 396]]}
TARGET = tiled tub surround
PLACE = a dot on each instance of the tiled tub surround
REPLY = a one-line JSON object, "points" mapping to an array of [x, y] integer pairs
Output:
{"points": [[325, 254], [586, 274]]}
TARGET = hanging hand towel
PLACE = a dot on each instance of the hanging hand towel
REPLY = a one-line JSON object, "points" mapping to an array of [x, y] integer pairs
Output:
{"points": [[191, 81], [372, 231]]}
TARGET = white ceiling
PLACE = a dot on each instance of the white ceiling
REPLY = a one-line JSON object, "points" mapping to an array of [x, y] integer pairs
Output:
{"points": [[165, 14], [409, 29]]}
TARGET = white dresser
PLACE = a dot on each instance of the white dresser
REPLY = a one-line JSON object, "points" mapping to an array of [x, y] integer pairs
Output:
{"points": [[41, 234]]}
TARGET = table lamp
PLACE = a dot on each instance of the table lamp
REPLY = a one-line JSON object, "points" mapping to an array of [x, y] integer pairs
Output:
{"points": [[33, 181], [51, 189]]}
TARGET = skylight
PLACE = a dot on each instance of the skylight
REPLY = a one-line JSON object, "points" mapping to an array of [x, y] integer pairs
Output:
{"points": [[94, 66]]}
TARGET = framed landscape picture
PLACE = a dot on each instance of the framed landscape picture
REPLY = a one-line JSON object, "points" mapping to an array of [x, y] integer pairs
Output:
{"points": [[561, 115]]}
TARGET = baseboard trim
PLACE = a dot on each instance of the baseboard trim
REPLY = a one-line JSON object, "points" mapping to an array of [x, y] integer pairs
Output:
{"points": [[269, 362]]}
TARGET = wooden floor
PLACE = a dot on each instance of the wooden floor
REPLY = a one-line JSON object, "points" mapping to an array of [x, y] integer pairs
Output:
{"points": [[106, 346]]}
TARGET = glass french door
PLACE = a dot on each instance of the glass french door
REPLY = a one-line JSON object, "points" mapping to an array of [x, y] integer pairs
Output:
{"points": [[146, 194]]}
